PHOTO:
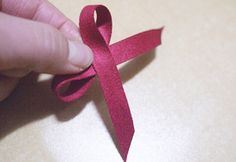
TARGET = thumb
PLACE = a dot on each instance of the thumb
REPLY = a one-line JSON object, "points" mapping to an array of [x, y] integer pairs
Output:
{"points": [[34, 46]]}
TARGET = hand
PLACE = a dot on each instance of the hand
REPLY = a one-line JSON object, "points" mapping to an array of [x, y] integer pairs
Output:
{"points": [[36, 36]]}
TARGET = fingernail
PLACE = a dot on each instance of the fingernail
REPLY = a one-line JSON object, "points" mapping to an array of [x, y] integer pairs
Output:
{"points": [[80, 55]]}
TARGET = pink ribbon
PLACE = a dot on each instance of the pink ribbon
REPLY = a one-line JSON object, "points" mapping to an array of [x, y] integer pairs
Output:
{"points": [[97, 36]]}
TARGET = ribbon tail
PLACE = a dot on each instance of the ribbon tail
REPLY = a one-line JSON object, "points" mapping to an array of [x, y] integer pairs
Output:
{"points": [[123, 124], [115, 98], [136, 45]]}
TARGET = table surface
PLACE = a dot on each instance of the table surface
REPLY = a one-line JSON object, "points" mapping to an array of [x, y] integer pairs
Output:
{"points": [[184, 108]]}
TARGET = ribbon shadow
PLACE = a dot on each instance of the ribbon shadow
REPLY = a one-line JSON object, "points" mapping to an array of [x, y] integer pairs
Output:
{"points": [[34, 100]]}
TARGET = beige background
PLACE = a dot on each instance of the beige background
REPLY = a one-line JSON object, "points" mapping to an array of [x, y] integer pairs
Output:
{"points": [[183, 97]]}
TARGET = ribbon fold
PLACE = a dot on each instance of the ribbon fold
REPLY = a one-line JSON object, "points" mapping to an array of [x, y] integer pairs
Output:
{"points": [[97, 34]]}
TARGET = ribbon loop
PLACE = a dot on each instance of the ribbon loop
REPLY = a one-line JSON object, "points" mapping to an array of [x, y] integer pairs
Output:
{"points": [[97, 33], [104, 23], [77, 84]]}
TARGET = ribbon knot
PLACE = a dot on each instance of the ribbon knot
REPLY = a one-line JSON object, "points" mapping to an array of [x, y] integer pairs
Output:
{"points": [[97, 34]]}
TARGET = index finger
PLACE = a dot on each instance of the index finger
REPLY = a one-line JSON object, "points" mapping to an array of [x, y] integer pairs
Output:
{"points": [[42, 11]]}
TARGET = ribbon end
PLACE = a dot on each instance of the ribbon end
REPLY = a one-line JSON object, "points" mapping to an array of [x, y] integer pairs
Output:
{"points": [[124, 144]]}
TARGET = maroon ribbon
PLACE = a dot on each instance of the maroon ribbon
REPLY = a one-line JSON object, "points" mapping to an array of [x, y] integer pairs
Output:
{"points": [[97, 36]]}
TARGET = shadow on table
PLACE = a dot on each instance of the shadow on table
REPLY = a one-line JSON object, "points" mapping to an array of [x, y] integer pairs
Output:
{"points": [[33, 101]]}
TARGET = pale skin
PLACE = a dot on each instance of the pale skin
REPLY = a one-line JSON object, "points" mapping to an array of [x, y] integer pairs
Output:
{"points": [[36, 36]]}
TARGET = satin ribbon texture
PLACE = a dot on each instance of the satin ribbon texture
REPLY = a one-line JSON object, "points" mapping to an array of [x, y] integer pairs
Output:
{"points": [[97, 34]]}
